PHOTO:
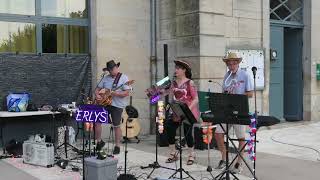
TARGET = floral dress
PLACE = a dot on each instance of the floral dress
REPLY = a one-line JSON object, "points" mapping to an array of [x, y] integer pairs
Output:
{"points": [[186, 93]]}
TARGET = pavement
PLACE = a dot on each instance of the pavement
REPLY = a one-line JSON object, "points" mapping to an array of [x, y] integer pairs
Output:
{"points": [[287, 151]]}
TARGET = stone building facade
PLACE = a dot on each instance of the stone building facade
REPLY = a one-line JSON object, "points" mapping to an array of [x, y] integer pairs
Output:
{"points": [[200, 32]]}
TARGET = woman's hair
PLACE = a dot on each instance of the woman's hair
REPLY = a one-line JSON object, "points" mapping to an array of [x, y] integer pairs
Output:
{"points": [[188, 72]]}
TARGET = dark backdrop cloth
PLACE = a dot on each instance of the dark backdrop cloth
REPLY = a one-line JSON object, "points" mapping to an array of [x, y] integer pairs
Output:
{"points": [[50, 79]]}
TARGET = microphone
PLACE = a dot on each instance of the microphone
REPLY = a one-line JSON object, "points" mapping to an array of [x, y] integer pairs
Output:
{"points": [[103, 74], [254, 70]]}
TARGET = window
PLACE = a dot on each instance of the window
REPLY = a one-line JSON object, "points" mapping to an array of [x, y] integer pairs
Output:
{"points": [[24, 7], [64, 8], [17, 37], [53, 38], [78, 39], [64, 39], [44, 26], [286, 10]]}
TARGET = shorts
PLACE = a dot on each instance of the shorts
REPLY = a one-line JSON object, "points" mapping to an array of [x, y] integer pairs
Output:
{"points": [[116, 115], [240, 130]]}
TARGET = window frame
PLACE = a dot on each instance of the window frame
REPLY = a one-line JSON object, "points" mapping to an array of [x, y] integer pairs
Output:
{"points": [[293, 13]]}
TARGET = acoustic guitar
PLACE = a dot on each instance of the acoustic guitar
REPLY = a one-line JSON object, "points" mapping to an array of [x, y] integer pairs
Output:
{"points": [[133, 125], [106, 94]]}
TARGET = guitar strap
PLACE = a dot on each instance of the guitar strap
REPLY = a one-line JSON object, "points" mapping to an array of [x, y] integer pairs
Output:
{"points": [[116, 81]]}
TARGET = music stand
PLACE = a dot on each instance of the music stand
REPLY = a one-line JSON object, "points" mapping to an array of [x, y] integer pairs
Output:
{"points": [[229, 108], [183, 112]]}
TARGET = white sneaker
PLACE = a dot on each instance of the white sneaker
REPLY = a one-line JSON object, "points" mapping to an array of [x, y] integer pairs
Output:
{"points": [[237, 168]]}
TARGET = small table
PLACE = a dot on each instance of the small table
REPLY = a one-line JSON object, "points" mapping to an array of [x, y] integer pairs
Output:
{"points": [[5, 115]]}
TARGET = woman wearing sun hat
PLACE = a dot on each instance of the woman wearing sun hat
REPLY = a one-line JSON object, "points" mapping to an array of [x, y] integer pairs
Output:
{"points": [[183, 89]]}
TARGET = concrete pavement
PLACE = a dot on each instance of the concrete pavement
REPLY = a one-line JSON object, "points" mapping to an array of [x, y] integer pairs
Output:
{"points": [[288, 151]]}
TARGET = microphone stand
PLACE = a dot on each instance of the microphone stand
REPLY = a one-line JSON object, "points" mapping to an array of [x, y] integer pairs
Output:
{"points": [[209, 168], [127, 176], [94, 137], [254, 70], [94, 125]]}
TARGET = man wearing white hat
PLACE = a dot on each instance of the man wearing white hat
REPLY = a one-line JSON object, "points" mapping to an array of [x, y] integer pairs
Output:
{"points": [[236, 81]]}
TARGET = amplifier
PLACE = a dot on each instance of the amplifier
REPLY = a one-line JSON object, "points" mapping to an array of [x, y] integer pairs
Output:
{"points": [[40, 154]]}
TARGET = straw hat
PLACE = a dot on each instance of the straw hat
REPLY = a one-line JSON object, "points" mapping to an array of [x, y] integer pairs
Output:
{"points": [[186, 66], [232, 57]]}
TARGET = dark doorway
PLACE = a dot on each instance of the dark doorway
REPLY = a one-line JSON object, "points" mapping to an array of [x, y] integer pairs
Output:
{"points": [[293, 76]]}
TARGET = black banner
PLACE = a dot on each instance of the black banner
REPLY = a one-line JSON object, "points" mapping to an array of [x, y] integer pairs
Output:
{"points": [[50, 79]]}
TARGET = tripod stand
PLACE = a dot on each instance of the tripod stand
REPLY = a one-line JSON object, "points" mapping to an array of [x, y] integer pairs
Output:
{"points": [[155, 165], [126, 176], [209, 167], [182, 110], [180, 169], [65, 144], [227, 171]]}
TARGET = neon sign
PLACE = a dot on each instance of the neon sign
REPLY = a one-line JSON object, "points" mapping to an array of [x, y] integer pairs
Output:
{"points": [[155, 99], [92, 113]]}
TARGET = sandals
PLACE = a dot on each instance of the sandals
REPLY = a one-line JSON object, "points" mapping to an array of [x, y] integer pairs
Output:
{"points": [[191, 159], [173, 157]]}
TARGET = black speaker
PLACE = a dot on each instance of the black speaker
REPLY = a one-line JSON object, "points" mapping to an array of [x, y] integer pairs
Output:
{"points": [[14, 148], [163, 139]]}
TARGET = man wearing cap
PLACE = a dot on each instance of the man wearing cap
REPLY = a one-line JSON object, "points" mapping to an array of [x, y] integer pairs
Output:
{"points": [[236, 81], [118, 101]]}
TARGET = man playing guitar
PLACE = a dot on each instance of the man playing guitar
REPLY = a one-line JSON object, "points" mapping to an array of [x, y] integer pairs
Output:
{"points": [[112, 81]]}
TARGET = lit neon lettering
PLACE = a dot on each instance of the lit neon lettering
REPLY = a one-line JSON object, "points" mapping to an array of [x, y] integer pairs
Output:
{"points": [[92, 114]]}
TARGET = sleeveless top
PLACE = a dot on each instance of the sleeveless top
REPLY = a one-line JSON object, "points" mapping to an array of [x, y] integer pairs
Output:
{"points": [[186, 94]]}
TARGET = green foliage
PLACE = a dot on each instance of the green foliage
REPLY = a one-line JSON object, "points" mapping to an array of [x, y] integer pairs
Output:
{"points": [[20, 41]]}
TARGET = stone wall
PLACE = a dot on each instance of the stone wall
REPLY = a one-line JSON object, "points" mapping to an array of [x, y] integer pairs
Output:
{"points": [[121, 31], [310, 64], [201, 31]]}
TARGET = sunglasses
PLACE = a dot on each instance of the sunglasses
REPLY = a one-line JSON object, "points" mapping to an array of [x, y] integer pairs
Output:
{"points": [[232, 63]]}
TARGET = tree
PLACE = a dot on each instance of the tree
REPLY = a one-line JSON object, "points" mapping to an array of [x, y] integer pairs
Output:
{"points": [[20, 41]]}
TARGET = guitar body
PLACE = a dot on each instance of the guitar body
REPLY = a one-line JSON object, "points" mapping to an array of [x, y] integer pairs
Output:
{"points": [[133, 126], [106, 98]]}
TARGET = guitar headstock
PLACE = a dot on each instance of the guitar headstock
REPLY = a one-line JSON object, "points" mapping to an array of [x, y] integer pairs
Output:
{"points": [[129, 82], [88, 100]]}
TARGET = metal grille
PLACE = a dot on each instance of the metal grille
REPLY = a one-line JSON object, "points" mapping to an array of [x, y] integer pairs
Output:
{"points": [[286, 11]]}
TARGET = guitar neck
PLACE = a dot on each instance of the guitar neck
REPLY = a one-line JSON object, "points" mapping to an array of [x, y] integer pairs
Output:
{"points": [[130, 100], [120, 86]]}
